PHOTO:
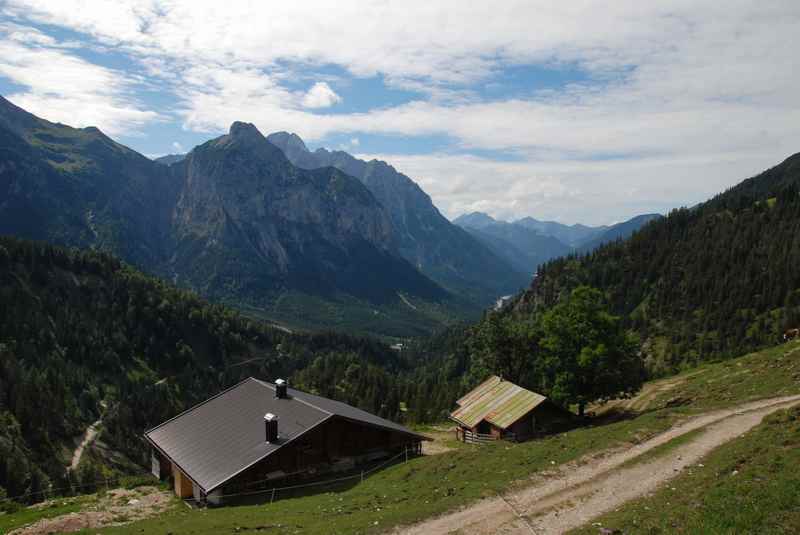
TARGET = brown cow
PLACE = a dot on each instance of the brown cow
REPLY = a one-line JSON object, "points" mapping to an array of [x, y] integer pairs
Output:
{"points": [[791, 334]]}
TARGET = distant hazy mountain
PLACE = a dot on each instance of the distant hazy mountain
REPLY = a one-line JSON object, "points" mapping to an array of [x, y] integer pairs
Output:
{"points": [[443, 251], [572, 235], [475, 220], [234, 220], [524, 248], [620, 231], [527, 242], [170, 159]]}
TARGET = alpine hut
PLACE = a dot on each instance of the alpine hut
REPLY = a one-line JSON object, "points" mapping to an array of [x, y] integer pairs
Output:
{"points": [[498, 409], [259, 435]]}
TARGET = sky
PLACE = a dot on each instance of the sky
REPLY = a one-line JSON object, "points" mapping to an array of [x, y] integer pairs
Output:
{"points": [[573, 111]]}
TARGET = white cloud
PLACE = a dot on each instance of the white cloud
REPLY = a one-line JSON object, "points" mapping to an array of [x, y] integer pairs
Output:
{"points": [[25, 34], [586, 192], [178, 147], [355, 142], [321, 96], [688, 96], [442, 40], [62, 87]]}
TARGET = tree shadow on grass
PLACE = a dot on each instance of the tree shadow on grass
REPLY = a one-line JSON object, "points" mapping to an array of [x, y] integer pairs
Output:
{"points": [[302, 487], [266, 496], [612, 416]]}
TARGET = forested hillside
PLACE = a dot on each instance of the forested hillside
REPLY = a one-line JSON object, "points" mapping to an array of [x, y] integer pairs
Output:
{"points": [[709, 282], [620, 231], [79, 330]]}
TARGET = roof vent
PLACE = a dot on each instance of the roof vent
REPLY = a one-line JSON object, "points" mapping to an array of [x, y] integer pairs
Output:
{"points": [[280, 389], [271, 426]]}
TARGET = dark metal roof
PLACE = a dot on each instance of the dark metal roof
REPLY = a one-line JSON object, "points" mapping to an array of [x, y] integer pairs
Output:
{"points": [[221, 437], [343, 410]]}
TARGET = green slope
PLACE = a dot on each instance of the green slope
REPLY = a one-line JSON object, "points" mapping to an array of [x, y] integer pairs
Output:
{"points": [[751, 485], [79, 330], [431, 485], [709, 282]]}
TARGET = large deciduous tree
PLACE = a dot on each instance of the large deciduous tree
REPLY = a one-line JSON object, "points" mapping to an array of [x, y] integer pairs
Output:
{"points": [[587, 354]]}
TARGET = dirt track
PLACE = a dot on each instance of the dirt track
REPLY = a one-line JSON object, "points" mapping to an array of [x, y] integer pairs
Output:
{"points": [[583, 491], [88, 438]]}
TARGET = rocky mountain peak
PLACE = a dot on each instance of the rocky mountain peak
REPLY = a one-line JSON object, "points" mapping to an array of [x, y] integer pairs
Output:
{"points": [[288, 141], [241, 130], [477, 220], [291, 144], [246, 136], [441, 250]]}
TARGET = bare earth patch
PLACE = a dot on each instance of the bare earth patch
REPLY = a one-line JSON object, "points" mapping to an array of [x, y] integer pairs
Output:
{"points": [[440, 435], [580, 491], [118, 506]]}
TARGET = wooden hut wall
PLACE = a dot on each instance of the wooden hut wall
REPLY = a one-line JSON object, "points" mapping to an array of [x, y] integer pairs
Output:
{"points": [[336, 439]]}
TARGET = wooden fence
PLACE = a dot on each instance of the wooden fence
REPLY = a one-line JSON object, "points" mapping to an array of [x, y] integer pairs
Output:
{"points": [[469, 437]]}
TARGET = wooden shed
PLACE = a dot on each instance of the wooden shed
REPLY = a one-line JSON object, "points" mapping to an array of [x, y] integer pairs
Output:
{"points": [[498, 409], [260, 435]]}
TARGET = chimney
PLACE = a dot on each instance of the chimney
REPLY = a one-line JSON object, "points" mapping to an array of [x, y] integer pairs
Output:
{"points": [[271, 426], [280, 389]]}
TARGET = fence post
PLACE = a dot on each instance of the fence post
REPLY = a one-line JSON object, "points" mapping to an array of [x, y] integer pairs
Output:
{"points": [[405, 449], [273, 495], [362, 476]]}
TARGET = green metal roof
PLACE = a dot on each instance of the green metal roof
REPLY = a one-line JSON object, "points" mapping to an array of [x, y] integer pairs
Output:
{"points": [[499, 402], [479, 390]]}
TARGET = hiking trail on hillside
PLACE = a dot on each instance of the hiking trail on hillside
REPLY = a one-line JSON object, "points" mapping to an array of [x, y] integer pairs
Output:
{"points": [[587, 488], [88, 437]]}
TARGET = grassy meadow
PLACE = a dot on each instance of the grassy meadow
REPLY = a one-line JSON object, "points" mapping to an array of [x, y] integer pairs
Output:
{"points": [[434, 484]]}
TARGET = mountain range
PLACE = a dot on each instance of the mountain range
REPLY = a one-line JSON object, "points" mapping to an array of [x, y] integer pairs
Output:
{"points": [[521, 246], [571, 235], [441, 250], [526, 243], [334, 242]]}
